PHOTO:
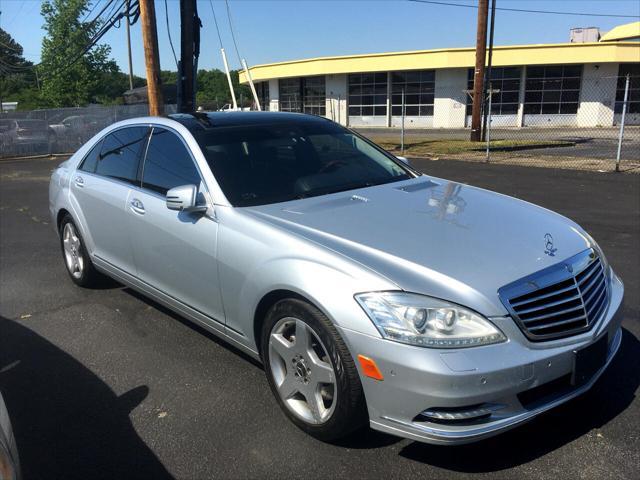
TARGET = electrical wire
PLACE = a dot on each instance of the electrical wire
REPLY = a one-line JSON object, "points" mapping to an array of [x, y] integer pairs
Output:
{"points": [[233, 35], [116, 17], [93, 7], [215, 20], [522, 10], [166, 16]]}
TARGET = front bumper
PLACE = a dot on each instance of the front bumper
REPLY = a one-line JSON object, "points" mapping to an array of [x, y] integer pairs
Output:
{"points": [[418, 378]]}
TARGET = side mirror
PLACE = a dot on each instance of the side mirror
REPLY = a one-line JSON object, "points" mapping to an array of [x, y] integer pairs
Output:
{"points": [[184, 198], [404, 160]]}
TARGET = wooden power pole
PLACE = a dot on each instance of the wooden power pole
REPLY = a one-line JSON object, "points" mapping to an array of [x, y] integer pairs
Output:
{"points": [[151, 57], [478, 76]]}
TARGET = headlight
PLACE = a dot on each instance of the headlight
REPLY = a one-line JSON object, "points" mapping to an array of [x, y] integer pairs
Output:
{"points": [[428, 322]]}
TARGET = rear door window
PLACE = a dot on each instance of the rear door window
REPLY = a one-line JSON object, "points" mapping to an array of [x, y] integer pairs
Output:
{"points": [[121, 152], [168, 163]]}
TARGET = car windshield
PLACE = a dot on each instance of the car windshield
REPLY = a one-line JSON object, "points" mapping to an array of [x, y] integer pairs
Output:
{"points": [[262, 164]]}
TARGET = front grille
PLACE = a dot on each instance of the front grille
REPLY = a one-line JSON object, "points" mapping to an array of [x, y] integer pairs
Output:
{"points": [[559, 301]]}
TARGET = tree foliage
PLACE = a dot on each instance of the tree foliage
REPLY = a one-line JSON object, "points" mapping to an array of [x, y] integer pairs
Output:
{"points": [[17, 75], [212, 89], [69, 77]]}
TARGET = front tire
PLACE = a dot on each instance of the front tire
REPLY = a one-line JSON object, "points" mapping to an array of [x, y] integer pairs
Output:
{"points": [[75, 255], [311, 372]]}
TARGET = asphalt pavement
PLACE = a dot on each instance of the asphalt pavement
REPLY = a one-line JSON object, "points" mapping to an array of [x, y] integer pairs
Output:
{"points": [[107, 384]]}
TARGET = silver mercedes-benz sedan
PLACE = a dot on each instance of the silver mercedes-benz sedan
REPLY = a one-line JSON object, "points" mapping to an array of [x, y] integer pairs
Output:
{"points": [[370, 292]]}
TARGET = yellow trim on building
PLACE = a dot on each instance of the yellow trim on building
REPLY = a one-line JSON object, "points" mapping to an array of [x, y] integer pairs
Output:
{"points": [[544, 54], [623, 32]]}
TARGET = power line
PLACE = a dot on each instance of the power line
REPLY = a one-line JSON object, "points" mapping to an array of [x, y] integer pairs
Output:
{"points": [[166, 16], [215, 20], [93, 7], [97, 36], [522, 10], [233, 35]]}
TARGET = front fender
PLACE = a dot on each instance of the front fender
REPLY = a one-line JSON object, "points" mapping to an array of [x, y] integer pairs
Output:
{"points": [[256, 259]]}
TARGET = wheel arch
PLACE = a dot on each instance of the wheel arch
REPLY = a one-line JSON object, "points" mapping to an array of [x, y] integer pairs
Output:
{"points": [[265, 303], [60, 215]]}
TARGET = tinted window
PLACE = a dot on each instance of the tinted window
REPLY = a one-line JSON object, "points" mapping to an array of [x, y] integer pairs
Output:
{"points": [[168, 163], [91, 160], [120, 153], [260, 164]]}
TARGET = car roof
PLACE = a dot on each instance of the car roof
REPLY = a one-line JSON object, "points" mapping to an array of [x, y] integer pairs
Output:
{"points": [[199, 121]]}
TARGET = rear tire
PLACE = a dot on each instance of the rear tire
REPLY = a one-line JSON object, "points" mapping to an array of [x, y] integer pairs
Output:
{"points": [[311, 372], [76, 258]]}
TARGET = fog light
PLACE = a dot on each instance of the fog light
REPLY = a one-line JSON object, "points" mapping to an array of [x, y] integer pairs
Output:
{"points": [[457, 414]]}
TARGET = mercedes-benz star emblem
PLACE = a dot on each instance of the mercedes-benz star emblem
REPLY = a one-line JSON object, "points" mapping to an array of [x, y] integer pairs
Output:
{"points": [[548, 245]]}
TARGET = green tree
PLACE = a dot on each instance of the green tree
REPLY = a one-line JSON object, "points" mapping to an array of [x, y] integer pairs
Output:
{"points": [[17, 75], [69, 77], [213, 89]]}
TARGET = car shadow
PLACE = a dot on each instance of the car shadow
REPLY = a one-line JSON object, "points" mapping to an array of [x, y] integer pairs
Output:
{"points": [[67, 422], [609, 397], [192, 325]]}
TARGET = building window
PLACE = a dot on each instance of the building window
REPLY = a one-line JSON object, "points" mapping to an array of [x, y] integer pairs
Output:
{"points": [[262, 89], [305, 94], [633, 100], [290, 95], [507, 81], [368, 94], [314, 95], [419, 92], [552, 89]]}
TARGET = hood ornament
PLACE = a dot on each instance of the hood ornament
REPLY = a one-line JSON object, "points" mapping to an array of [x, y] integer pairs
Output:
{"points": [[548, 245]]}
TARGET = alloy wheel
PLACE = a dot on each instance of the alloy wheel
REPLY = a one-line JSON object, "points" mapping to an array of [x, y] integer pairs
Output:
{"points": [[302, 371], [72, 250]]}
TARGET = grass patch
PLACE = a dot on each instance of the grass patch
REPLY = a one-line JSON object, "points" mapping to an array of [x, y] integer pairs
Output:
{"points": [[435, 147]]}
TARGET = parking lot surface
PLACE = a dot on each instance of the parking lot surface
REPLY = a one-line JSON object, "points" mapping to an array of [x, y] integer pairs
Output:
{"points": [[107, 384]]}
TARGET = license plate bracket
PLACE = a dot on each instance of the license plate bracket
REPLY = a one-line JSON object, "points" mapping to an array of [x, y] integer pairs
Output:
{"points": [[588, 360]]}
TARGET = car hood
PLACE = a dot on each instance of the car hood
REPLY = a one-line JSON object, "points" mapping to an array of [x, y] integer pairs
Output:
{"points": [[435, 237]]}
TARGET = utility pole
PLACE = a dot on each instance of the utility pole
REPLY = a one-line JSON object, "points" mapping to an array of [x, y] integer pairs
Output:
{"points": [[129, 45], [478, 76], [489, 66], [189, 51], [151, 57]]}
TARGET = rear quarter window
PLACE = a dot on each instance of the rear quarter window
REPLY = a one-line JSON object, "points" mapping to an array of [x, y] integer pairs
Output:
{"points": [[90, 161]]}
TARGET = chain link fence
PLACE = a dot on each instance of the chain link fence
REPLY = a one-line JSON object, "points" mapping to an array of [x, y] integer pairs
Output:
{"points": [[60, 130], [551, 118], [565, 122]]}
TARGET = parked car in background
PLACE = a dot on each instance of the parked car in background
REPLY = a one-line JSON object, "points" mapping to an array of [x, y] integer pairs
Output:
{"points": [[26, 136], [227, 107], [9, 462], [372, 293], [74, 130]]}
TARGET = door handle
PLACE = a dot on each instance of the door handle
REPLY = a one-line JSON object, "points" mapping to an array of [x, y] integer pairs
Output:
{"points": [[136, 206], [79, 181]]}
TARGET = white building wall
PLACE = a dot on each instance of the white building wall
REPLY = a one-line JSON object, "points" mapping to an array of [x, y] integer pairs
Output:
{"points": [[274, 95], [336, 91], [450, 101], [597, 95]]}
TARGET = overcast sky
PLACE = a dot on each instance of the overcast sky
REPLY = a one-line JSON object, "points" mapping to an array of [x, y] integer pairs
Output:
{"points": [[269, 31]]}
